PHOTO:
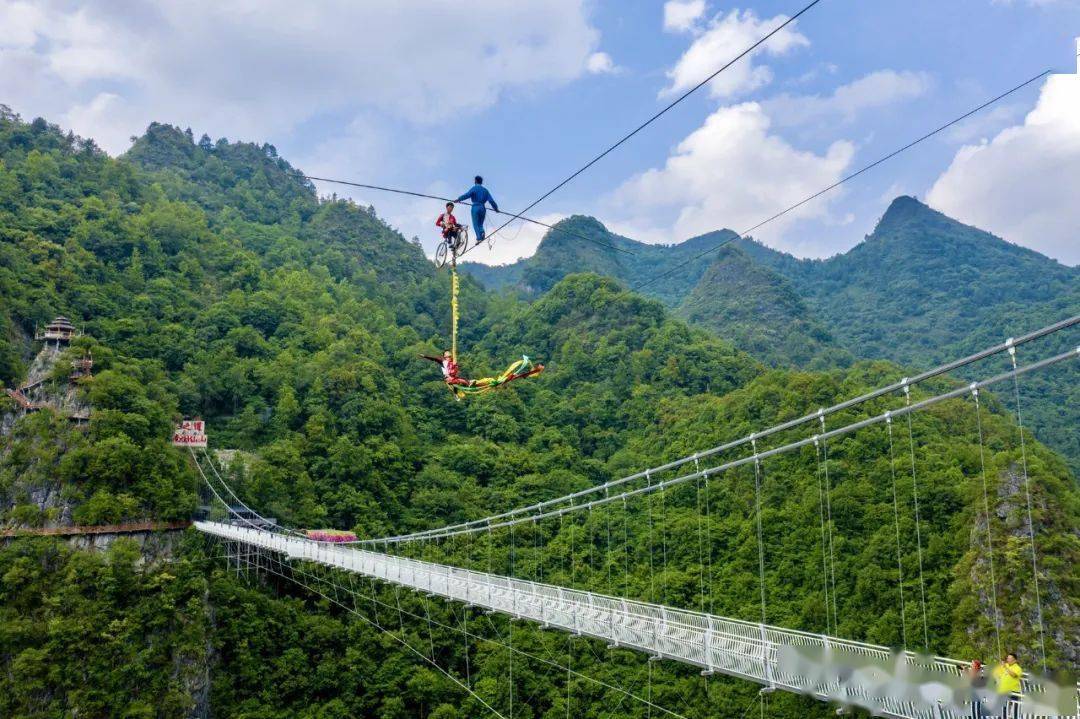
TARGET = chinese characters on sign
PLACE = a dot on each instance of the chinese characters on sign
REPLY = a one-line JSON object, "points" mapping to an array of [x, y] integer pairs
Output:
{"points": [[190, 433]]}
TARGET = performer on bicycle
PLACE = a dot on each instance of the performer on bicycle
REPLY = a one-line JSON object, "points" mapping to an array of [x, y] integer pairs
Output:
{"points": [[451, 230]]}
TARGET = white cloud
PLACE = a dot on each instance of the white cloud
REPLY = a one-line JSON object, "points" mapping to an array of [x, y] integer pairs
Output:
{"points": [[722, 40], [983, 126], [20, 21], [1023, 184], [731, 172], [107, 118], [519, 239], [258, 70], [682, 15], [845, 103], [600, 63]]}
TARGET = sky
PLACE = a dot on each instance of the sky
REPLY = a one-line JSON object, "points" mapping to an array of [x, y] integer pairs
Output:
{"points": [[423, 95]]}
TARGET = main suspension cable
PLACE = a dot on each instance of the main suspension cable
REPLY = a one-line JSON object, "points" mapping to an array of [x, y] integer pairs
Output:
{"points": [[513, 215], [790, 424], [840, 431], [665, 109]]}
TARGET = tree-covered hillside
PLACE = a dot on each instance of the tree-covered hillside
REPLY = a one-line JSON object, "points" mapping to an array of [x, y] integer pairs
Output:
{"points": [[210, 280], [760, 313], [924, 288], [920, 290]]}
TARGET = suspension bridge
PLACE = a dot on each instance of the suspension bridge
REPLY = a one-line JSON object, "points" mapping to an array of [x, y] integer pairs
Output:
{"points": [[886, 681]]}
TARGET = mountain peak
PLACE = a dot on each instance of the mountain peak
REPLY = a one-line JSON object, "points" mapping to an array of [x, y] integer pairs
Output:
{"points": [[570, 229], [902, 210]]}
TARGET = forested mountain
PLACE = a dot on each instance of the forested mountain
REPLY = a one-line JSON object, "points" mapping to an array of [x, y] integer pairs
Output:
{"points": [[760, 313], [921, 289], [210, 280]]}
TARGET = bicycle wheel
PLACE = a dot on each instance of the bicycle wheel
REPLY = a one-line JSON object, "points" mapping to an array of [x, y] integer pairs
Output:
{"points": [[440, 254]]}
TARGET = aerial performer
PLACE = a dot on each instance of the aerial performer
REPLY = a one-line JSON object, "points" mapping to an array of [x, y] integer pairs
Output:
{"points": [[449, 368], [479, 196], [452, 234], [462, 387], [451, 230]]}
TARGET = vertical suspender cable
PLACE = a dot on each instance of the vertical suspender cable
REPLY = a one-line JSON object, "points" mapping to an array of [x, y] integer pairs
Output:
{"points": [[607, 555], [765, 661], [824, 542], [760, 539], [543, 547], [573, 556], [590, 536], [709, 543], [663, 547], [1027, 494], [918, 522], [626, 548], [828, 517], [896, 520], [986, 514], [701, 567], [700, 538], [652, 573]]}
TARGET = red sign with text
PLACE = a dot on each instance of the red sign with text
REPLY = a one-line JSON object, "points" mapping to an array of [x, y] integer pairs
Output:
{"points": [[190, 433]]}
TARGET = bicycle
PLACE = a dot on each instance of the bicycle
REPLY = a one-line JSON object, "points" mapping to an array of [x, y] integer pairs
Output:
{"points": [[452, 246]]}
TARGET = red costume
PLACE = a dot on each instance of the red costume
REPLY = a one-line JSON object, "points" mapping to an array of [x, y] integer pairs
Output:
{"points": [[449, 225], [449, 370]]}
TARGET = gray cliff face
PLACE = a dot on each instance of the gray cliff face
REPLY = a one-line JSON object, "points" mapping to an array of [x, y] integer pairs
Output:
{"points": [[46, 388], [1009, 560]]}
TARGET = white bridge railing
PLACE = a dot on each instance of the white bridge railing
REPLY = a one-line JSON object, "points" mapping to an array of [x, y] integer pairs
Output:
{"points": [[773, 656]]}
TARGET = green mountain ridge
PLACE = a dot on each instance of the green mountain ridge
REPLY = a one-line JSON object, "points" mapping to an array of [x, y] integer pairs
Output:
{"points": [[687, 284], [935, 280], [211, 280], [760, 311], [920, 290]]}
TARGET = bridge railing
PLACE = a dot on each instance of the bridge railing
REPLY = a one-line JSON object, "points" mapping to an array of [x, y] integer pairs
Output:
{"points": [[749, 650]]}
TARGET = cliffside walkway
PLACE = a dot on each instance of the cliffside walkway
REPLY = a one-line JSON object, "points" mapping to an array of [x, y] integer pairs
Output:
{"points": [[128, 528]]}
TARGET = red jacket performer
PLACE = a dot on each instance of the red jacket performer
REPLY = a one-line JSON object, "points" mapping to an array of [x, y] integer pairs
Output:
{"points": [[449, 225], [449, 368]]}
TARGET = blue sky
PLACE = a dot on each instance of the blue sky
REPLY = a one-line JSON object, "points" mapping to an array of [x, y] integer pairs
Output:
{"points": [[423, 95]]}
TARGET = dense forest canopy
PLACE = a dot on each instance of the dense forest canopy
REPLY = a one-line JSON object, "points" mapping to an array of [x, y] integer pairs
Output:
{"points": [[921, 289], [210, 280]]}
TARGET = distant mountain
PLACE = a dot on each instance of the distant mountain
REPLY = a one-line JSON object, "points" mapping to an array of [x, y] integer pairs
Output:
{"points": [[924, 287], [921, 289], [582, 243], [760, 312]]}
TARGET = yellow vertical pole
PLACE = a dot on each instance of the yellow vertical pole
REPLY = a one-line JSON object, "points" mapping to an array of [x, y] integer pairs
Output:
{"points": [[453, 308]]}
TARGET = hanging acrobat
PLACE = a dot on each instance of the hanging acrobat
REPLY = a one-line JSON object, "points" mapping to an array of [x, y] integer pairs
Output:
{"points": [[455, 241]]}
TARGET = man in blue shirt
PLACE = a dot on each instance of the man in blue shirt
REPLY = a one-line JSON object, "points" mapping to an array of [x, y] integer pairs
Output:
{"points": [[479, 197]]}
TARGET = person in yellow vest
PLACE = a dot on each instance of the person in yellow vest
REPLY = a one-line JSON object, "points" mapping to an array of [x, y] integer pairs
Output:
{"points": [[1007, 675], [1007, 680]]}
